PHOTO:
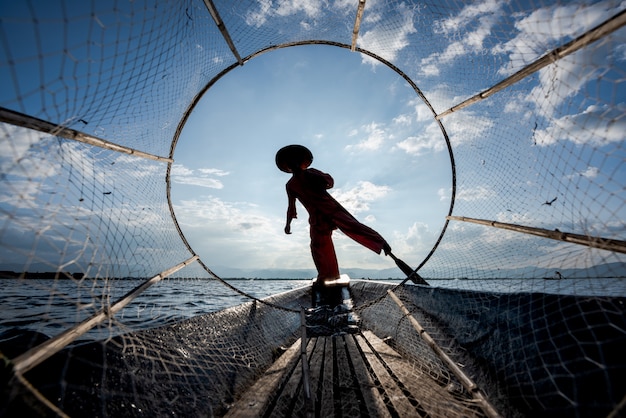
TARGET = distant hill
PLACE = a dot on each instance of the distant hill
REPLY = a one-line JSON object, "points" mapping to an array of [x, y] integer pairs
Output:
{"points": [[355, 273], [603, 270]]}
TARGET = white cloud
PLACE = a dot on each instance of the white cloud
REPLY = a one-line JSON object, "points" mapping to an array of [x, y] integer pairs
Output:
{"points": [[207, 182], [470, 194], [402, 119], [205, 177], [198, 212], [417, 239], [429, 65], [590, 173], [429, 69], [268, 9], [422, 112], [543, 26], [20, 151], [358, 198], [475, 193], [467, 15], [386, 43], [431, 139], [568, 76], [370, 219], [376, 136], [139, 167], [516, 105], [486, 13], [563, 79], [467, 127], [214, 171], [538, 33], [20, 193], [237, 233], [475, 39], [371, 17], [349, 5], [38, 165], [596, 125], [518, 218], [180, 170]]}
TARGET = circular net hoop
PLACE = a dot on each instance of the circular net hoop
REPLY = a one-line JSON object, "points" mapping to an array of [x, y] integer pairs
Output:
{"points": [[529, 96]]}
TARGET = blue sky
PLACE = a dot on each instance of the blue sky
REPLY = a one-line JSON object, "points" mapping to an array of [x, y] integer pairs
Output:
{"points": [[558, 133], [230, 199]]}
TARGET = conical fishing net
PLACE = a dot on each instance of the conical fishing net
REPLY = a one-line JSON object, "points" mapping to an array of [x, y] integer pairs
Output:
{"points": [[107, 310]]}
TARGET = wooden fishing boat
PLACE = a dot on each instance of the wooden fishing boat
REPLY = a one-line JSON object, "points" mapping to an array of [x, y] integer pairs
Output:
{"points": [[420, 351]]}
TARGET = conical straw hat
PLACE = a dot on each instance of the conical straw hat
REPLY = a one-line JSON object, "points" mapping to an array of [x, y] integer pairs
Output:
{"points": [[293, 156]]}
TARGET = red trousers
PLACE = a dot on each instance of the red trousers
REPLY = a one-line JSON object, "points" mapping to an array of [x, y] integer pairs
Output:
{"points": [[323, 249]]}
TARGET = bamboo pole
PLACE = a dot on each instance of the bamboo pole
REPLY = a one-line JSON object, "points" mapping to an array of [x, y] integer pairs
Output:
{"points": [[600, 31], [222, 27], [20, 380], [465, 380], [38, 354], [30, 122], [589, 241], [357, 24], [306, 381]]}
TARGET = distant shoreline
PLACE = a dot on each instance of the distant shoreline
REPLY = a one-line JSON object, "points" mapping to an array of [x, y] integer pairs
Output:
{"points": [[51, 275]]}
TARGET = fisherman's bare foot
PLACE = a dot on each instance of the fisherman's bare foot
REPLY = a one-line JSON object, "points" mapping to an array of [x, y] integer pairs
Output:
{"points": [[386, 248]]}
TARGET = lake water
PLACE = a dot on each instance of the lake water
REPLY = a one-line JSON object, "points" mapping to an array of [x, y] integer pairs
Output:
{"points": [[49, 306]]}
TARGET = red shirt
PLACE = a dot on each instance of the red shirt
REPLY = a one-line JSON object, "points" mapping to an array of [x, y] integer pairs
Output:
{"points": [[310, 188]]}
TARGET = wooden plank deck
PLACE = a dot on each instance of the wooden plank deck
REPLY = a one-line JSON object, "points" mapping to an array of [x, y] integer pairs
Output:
{"points": [[350, 376]]}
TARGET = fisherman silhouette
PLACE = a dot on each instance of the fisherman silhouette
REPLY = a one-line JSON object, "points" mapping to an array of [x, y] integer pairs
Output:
{"points": [[310, 186]]}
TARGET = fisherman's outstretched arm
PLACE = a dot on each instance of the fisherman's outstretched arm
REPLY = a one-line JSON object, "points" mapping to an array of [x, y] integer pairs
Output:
{"points": [[291, 212]]}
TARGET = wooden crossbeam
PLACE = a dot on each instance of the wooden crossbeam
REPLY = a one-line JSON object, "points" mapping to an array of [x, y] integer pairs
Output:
{"points": [[600, 31], [608, 244], [25, 121], [357, 24], [222, 27]]}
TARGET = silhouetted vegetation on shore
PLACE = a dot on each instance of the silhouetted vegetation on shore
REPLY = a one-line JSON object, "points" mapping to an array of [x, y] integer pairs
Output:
{"points": [[49, 275]]}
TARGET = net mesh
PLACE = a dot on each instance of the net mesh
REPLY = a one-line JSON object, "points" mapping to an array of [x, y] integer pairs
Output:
{"points": [[107, 310]]}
